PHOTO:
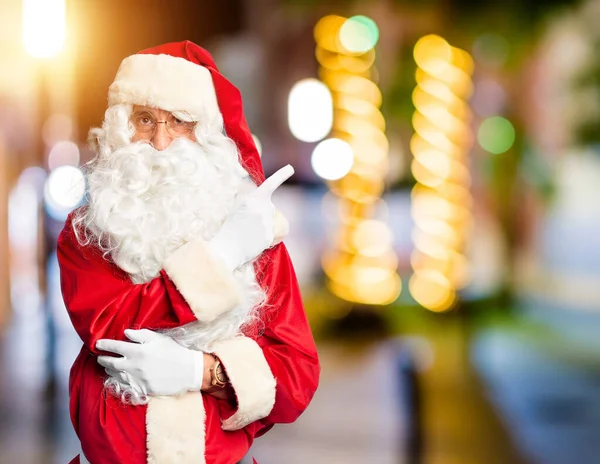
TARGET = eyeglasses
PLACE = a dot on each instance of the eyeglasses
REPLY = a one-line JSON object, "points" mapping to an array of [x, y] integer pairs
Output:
{"points": [[145, 124]]}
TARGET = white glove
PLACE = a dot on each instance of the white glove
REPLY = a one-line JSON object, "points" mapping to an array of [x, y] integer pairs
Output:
{"points": [[155, 363], [249, 230]]}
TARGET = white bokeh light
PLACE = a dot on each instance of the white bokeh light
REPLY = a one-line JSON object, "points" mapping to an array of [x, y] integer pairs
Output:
{"points": [[310, 110], [64, 190], [44, 27], [332, 159], [64, 153], [23, 206], [359, 34]]}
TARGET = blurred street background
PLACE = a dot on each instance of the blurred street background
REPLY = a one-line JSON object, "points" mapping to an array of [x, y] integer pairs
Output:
{"points": [[445, 213]]}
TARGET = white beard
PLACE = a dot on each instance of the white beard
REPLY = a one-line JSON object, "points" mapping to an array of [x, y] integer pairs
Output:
{"points": [[145, 203]]}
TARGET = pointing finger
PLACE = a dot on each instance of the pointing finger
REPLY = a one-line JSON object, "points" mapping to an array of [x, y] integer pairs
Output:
{"points": [[275, 180]]}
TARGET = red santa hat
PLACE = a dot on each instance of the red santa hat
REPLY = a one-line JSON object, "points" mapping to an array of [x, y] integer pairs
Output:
{"points": [[182, 76]]}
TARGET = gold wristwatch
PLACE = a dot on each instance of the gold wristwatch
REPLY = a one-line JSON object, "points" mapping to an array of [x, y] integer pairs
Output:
{"points": [[218, 378]]}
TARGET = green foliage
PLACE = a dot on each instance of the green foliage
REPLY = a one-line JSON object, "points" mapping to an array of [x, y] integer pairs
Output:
{"points": [[397, 103], [536, 171]]}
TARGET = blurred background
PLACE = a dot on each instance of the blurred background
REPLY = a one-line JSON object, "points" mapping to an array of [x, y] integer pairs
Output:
{"points": [[445, 222]]}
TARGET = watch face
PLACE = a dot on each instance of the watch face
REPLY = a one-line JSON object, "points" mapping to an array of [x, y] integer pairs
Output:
{"points": [[219, 374]]}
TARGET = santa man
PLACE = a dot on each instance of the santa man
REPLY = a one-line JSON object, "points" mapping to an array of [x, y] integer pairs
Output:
{"points": [[195, 340]]}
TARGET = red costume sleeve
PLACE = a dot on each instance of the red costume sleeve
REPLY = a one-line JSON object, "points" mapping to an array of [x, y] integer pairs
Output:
{"points": [[275, 374], [287, 341], [102, 301]]}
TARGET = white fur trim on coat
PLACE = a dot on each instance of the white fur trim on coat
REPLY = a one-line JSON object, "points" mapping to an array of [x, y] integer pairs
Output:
{"points": [[281, 226], [175, 429], [166, 82], [203, 280], [251, 378]]}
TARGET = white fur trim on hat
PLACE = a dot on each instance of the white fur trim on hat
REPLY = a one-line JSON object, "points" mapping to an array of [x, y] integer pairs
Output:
{"points": [[165, 82], [251, 379]]}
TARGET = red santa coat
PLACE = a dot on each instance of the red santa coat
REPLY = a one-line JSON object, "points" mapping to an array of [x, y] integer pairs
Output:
{"points": [[274, 372], [274, 375]]}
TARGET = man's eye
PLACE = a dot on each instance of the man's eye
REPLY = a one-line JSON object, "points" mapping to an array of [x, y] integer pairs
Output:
{"points": [[178, 122], [143, 119]]}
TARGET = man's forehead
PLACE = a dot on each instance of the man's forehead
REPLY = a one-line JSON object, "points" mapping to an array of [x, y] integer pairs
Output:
{"points": [[160, 113], [149, 109]]}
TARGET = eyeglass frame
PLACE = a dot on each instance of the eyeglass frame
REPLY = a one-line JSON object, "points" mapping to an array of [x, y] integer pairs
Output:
{"points": [[187, 118]]}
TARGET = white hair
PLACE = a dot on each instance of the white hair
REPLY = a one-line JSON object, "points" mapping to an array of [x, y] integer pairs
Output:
{"points": [[143, 204]]}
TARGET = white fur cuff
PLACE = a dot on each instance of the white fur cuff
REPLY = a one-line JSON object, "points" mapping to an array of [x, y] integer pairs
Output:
{"points": [[281, 227], [250, 377], [175, 429], [203, 280]]}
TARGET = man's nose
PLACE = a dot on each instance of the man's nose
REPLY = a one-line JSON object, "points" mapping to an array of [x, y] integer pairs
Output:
{"points": [[161, 138]]}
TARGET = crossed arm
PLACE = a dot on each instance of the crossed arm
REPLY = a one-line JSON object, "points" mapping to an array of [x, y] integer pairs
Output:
{"points": [[102, 303]]}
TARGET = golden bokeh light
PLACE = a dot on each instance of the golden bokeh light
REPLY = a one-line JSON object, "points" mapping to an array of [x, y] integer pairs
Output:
{"points": [[433, 90], [432, 53], [441, 231], [359, 108], [361, 264], [357, 64], [441, 119], [427, 177], [377, 286], [386, 291], [372, 238], [441, 199], [437, 162], [369, 151], [326, 32], [358, 188], [352, 85], [328, 59], [453, 266], [432, 290], [463, 60], [359, 127]]}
